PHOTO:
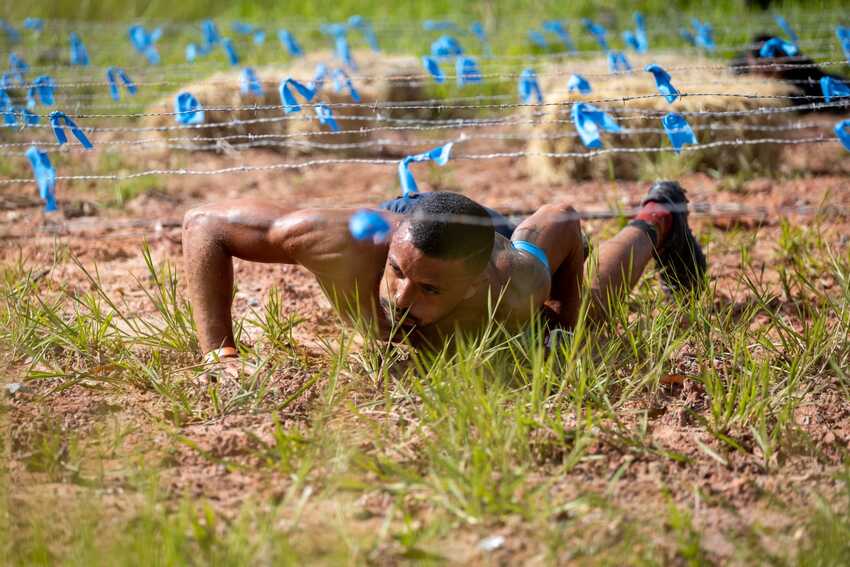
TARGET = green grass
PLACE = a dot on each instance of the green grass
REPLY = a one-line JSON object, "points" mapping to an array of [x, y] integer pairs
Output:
{"points": [[459, 441]]}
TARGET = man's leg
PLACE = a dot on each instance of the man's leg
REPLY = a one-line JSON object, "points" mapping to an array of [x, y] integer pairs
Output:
{"points": [[660, 229]]}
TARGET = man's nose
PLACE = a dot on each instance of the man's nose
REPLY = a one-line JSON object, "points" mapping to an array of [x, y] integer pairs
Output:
{"points": [[403, 297]]}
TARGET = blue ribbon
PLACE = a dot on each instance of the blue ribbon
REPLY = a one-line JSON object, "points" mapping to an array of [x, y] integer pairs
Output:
{"points": [[143, 42], [365, 28], [467, 71], [41, 89], [556, 27], [678, 130], [439, 155], [342, 81], [366, 224], [446, 46], [10, 117], [343, 51], [579, 84], [438, 25], [55, 121], [618, 62], [538, 39], [192, 52], [11, 33], [842, 130], [5, 101], [45, 177], [112, 76], [210, 35], [833, 88], [188, 109], [288, 99], [288, 41], [326, 116], [641, 36], [232, 56], [249, 83], [529, 88], [597, 31], [477, 29], [34, 24], [29, 118], [433, 67], [688, 36], [319, 77], [662, 81], [18, 68], [79, 55], [259, 36], [776, 47], [704, 36], [786, 27], [589, 120], [843, 35]]}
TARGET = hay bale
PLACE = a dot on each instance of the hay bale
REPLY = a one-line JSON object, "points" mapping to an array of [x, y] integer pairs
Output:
{"points": [[553, 130], [376, 80]]}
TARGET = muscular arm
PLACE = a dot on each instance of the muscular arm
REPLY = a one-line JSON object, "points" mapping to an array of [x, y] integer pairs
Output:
{"points": [[557, 230], [260, 231]]}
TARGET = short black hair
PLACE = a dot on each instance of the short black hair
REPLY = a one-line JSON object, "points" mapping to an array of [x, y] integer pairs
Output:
{"points": [[450, 226]]}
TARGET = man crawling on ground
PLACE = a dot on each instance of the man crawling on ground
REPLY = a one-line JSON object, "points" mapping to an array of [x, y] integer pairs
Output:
{"points": [[446, 262]]}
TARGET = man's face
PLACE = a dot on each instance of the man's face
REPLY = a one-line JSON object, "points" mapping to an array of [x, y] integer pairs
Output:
{"points": [[424, 288]]}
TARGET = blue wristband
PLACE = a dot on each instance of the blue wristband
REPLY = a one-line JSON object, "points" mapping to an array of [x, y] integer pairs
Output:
{"points": [[534, 250]]}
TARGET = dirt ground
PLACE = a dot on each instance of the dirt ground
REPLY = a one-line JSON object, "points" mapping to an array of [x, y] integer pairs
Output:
{"points": [[729, 496]]}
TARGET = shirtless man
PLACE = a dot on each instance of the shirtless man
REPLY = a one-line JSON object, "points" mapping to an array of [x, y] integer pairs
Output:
{"points": [[446, 262]]}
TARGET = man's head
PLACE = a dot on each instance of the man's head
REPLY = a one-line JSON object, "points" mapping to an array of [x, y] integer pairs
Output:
{"points": [[436, 257]]}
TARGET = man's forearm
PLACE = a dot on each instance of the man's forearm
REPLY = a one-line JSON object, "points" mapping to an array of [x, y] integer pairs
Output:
{"points": [[209, 271]]}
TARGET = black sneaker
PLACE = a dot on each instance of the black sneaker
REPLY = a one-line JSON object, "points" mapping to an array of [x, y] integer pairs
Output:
{"points": [[680, 258]]}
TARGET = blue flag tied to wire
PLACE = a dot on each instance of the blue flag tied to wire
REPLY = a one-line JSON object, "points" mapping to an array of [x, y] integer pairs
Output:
{"points": [[145, 42], [617, 62], [188, 109], [433, 67], [365, 28], [113, 75], [209, 33], [11, 33], [777, 47], [438, 25], [288, 41], [528, 87], [467, 71], [319, 77], [34, 24], [579, 84], [343, 82], [18, 68], [249, 83], [288, 99], [678, 130], [446, 46], [45, 177], [477, 29], [79, 55], [637, 39], [843, 34], [439, 155], [786, 27], [597, 31], [56, 120], [833, 88], [688, 36], [339, 33], [662, 81], [842, 130], [703, 35], [232, 56], [41, 90], [326, 116], [366, 224], [589, 120], [557, 28], [538, 39], [11, 113]]}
